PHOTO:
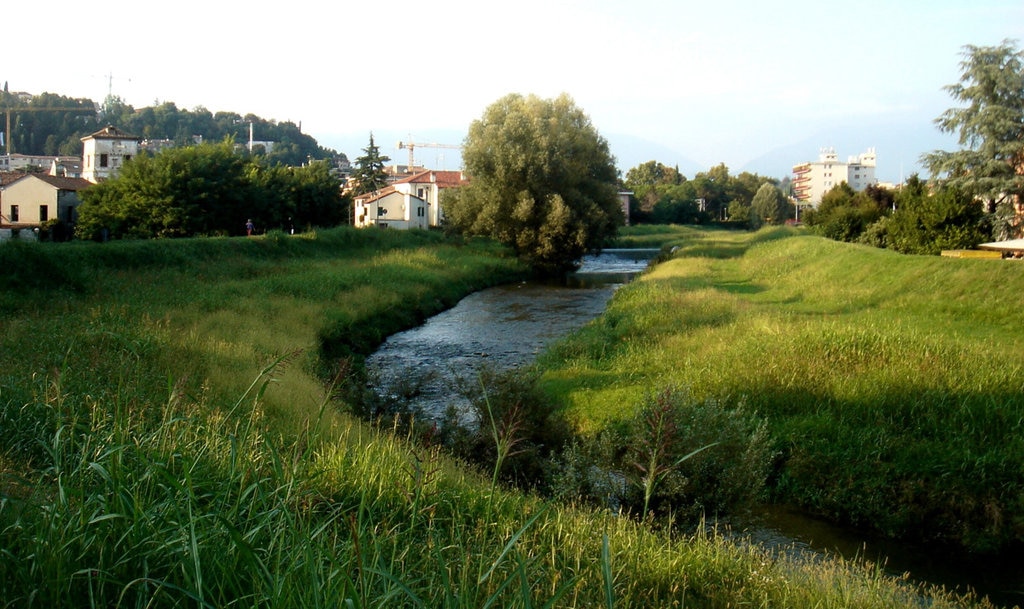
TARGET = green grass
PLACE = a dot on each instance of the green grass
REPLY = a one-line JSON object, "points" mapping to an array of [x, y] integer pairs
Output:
{"points": [[169, 442], [893, 384]]}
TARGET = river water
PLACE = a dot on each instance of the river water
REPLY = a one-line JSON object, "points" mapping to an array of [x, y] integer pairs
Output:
{"points": [[507, 326], [499, 328]]}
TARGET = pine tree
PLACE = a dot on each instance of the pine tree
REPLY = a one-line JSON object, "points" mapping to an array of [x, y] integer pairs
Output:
{"points": [[369, 174]]}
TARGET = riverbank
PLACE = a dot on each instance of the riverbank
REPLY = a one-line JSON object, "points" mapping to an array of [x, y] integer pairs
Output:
{"points": [[168, 441], [891, 384]]}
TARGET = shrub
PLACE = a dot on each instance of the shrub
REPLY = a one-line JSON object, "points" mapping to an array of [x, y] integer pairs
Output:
{"points": [[676, 455], [507, 409]]}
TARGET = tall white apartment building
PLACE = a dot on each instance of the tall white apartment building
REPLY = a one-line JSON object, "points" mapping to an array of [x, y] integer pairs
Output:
{"points": [[812, 180]]}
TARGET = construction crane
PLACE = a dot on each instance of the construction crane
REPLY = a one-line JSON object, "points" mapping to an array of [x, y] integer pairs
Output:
{"points": [[9, 111], [413, 145]]}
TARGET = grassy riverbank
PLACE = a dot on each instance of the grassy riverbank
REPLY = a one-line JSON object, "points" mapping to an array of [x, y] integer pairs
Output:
{"points": [[892, 384], [167, 441]]}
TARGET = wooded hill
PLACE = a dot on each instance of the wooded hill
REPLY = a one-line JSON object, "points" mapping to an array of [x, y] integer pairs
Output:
{"points": [[52, 124]]}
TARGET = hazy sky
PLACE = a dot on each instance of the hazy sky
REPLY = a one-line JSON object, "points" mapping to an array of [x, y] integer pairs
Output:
{"points": [[711, 81]]}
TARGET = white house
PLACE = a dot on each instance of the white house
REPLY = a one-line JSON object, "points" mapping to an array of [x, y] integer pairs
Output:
{"points": [[427, 185], [390, 208], [105, 151]]}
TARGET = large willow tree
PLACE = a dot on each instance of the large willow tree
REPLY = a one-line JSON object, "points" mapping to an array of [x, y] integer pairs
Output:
{"points": [[541, 180]]}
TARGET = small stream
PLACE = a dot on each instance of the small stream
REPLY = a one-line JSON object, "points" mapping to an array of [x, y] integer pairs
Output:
{"points": [[500, 328], [507, 326]]}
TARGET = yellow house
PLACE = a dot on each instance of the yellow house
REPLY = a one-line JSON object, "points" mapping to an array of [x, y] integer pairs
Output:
{"points": [[35, 198]]}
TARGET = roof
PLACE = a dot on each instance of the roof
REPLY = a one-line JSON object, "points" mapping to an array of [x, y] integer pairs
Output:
{"points": [[1010, 245], [110, 132], [443, 179], [370, 197], [58, 182], [6, 177]]}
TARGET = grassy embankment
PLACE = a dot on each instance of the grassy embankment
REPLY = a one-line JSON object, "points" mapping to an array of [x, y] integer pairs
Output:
{"points": [[893, 385], [166, 442]]}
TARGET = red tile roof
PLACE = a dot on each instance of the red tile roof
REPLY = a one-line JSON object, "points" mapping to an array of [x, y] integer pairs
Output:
{"points": [[58, 182], [443, 179]]}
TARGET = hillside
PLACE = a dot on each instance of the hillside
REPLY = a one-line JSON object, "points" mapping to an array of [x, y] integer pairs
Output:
{"points": [[37, 130]]}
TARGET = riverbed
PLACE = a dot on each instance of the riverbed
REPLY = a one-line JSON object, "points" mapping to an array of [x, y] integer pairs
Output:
{"points": [[500, 328], [507, 326]]}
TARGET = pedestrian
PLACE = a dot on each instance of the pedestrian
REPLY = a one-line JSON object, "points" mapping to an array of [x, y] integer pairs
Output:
{"points": [[249, 227]]}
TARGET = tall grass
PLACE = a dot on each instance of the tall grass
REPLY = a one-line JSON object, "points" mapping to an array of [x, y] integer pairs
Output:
{"points": [[167, 442], [901, 373]]}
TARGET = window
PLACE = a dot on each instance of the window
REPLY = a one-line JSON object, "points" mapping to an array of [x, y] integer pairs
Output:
{"points": [[421, 193], [44, 213], [14, 213], [382, 211], [420, 212], [104, 159]]}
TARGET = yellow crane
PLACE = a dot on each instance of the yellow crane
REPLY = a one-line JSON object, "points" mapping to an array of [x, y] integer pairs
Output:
{"points": [[10, 111], [413, 145]]}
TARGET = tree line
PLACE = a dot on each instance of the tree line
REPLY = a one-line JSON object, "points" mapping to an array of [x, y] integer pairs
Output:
{"points": [[35, 130], [973, 195], [210, 189]]}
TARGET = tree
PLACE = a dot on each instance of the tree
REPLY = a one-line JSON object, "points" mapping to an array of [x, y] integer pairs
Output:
{"points": [[712, 188], [369, 174], [991, 131], [541, 180], [769, 206], [208, 189], [927, 223]]}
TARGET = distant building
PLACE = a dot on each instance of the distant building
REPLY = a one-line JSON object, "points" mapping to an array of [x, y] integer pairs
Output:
{"points": [[411, 202], [812, 180], [66, 166], [106, 151], [29, 200], [389, 208], [427, 185]]}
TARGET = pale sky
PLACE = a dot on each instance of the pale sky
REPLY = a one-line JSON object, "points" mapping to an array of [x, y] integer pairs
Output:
{"points": [[753, 84]]}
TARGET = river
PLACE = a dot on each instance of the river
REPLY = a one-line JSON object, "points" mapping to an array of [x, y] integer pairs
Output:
{"points": [[500, 328], [507, 326]]}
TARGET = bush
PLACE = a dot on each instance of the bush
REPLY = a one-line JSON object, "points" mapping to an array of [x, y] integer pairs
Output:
{"points": [[507, 411], [675, 455]]}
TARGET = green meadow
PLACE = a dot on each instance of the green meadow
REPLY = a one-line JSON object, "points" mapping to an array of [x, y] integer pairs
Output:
{"points": [[172, 432], [893, 386]]}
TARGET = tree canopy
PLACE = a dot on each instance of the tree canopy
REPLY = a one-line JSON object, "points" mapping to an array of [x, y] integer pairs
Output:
{"points": [[990, 127], [208, 189], [769, 206], [927, 223], [541, 180]]}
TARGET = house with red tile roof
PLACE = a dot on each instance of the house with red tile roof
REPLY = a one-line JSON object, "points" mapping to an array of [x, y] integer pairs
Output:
{"points": [[390, 208], [428, 185]]}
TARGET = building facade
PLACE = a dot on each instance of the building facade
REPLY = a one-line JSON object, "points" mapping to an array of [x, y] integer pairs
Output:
{"points": [[390, 208], [813, 179], [34, 199], [427, 185], [106, 151]]}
